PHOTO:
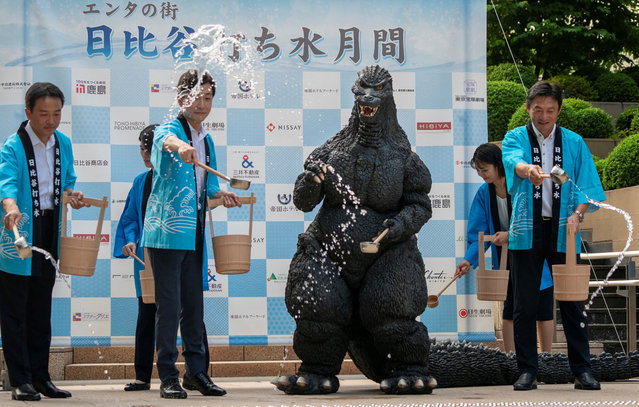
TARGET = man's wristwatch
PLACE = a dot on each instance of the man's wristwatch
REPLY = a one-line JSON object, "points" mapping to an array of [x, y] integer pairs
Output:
{"points": [[581, 215]]}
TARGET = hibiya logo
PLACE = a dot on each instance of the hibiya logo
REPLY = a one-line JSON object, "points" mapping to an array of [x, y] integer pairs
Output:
{"points": [[475, 313], [90, 87], [104, 238], [434, 127], [90, 163]]}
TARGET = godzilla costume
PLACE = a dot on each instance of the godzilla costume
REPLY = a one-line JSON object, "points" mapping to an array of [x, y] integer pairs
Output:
{"points": [[345, 300]]}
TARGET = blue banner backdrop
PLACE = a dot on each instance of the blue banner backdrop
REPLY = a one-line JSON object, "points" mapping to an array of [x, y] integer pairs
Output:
{"points": [[288, 92]]}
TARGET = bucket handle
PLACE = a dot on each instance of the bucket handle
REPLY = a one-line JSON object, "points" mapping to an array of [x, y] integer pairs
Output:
{"points": [[571, 256], [481, 264], [503, 261], [102, 203], [244, 200]]}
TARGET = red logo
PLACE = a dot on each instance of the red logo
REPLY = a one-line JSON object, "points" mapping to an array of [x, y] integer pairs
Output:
{"points": [[270, 127], [77, 316], [104, 238], [463, 313], [434, 126], [80, 88]]}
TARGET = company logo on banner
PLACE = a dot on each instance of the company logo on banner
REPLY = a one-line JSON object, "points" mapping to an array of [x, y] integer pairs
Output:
{"points": [[92, 162], [475, 313], [404, 89], [276, 277], [215, 125], [90, 87], [127, 123], [247, 316], [90, 317], [469, 90], [218, 283], [434, 127], [14, 82], [321, 90], [464, 172], [439, 271], [245, 92], [162, 91], [283, 127], [246, 163], [279, 203], [65, 123], [442, 201]]}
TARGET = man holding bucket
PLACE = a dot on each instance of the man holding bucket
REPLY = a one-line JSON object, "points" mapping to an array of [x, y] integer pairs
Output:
{"points": [[174, 233], [542, 210], [36, 167]]}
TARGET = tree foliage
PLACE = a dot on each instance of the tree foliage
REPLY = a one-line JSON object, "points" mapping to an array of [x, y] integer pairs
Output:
{"points": [[559, 36]]}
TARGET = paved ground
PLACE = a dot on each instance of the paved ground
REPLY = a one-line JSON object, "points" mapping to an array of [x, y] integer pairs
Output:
{"points": [[354, 391]]}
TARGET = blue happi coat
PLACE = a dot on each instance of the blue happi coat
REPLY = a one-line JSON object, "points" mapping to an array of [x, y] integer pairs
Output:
{"points": [[130, 231], [480, 220], [578, 164], [15, 183], [171, 212]]}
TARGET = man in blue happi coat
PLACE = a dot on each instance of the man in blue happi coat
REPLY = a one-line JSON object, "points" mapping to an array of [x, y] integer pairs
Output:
{"points": [[36, 167], [174, 233], [542, 211]]}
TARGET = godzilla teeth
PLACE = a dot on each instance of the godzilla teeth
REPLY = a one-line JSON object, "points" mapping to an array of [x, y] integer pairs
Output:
{"points": [[368, 111]]}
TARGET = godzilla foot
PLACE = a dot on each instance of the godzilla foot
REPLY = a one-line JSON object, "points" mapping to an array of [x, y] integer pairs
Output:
{"points": [[408, 385], [306, 383]]}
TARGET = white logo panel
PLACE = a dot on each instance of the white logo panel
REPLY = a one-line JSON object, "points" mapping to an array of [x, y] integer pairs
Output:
{"points": [[90, 317], [279, 203], [442, 201], [245, 92], [247, 316], [247, 163], [321, 90], [127, 123], [14, 84], [469, 90], [162, 91], [276, 277], [434, 127], [91, 87], [283, 127], [404, 89], [92, 162]]}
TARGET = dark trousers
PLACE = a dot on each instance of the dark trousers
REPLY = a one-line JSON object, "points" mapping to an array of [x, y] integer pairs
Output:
{"points": [[178, 298], [145, 342], [25, 312], [527, 266]]}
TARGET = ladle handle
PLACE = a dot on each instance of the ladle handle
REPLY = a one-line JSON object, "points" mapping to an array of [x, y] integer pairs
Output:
{"points": [[381, 235], [446, 286], [545, 175], [212, 171], [15, 232], [571, 256], [138, 259]]}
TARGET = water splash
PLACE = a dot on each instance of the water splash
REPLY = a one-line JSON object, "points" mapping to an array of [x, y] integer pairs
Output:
{"points": [[621, 256]]}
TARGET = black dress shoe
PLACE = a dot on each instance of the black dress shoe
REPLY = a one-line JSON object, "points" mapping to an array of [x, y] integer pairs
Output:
{"points": [[50, 390], [171, 389], [25, 392], [137, 386], [205, 385], [526, 381], [585, 381], [188, 382]]}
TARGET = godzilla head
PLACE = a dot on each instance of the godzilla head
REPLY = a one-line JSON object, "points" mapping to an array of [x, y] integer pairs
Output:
{"points": [[373, 90]]}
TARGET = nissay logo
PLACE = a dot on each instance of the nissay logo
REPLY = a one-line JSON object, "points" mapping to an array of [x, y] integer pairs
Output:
{"points": [[283, 127]]}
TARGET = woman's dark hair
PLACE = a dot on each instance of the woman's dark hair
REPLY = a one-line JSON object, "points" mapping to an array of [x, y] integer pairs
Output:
{"points": [[40, 90], [544, 88], [188, 80], [146, 136], [488, 153]]}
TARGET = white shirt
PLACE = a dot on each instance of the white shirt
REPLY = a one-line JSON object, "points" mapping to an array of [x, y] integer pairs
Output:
{"points": [[198, 138], [44, 158], [502, 210], [547, 146]]}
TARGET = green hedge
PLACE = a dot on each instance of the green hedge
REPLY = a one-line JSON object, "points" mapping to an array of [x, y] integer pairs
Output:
{"points": [[577, 104], [622, 165], [625, 118], [567, 118], [503, 99], [633, 72], [593, 122], [616, 87], [507, 72], [575, 87]]}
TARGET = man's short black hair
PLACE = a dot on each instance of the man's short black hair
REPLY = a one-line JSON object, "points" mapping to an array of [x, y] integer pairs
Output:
{"points": [[146, 136], [544, 88], [40, 90], [488, 153], [189, 79]]}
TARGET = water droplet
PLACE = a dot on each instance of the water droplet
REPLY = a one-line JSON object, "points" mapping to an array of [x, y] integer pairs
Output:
{"points": [[582, 325]]}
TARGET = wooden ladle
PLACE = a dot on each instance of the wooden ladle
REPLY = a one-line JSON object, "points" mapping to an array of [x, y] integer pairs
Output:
{"points": [[433, 300]]}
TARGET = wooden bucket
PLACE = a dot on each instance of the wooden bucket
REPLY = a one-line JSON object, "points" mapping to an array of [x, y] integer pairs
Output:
{"points": [[147, 282], [571, 279], [78, 255], [492, 285], [232, 253]]}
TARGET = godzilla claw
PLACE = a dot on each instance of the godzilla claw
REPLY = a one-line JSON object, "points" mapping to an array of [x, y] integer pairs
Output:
{"points": [[408, 385], [306, 383]]}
